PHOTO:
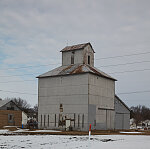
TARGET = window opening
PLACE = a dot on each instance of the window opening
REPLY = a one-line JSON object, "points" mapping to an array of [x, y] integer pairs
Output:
{"points": [[72, 59], [10, 118], [10, 108], [88, 59], [61, 107]]}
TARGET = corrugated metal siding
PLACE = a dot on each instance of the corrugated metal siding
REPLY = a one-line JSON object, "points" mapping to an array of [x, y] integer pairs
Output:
{"points": [[122, 115]]}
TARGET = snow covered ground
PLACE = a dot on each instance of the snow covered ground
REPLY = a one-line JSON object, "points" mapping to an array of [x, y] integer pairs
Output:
{"points": [[5, 131], [130, 132], [27, 130], [75, 142]]}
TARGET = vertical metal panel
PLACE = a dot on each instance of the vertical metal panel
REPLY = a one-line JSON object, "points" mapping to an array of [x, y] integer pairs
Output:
{"points": [[78, 120], [83, 121], [48, 120], [55, 120], [44, 119], [74, 120], [41, 120], [118, 121]]}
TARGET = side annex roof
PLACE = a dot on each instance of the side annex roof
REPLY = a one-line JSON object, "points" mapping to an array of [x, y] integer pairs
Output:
{"points": [[122, 102]]}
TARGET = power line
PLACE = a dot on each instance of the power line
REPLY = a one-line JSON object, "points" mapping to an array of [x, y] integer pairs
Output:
{"points": [[133, 92], [17, 92], [97, 67], [38, 73], [30, 66], [129, 71], [95, 59], [126, 55], [125, 64], [17, 81], [21, 75]]}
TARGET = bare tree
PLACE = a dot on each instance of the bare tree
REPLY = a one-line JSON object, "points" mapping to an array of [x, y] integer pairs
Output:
{"points": [[35, 108], [140, 113]]}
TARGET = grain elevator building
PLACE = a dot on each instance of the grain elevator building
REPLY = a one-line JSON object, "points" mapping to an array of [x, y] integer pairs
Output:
{"points": [[76, 94]]}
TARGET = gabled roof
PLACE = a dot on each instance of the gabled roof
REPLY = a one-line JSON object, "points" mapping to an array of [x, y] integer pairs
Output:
{"points": [[75, 69], [122, 102], [76, 47], [3, 102]]}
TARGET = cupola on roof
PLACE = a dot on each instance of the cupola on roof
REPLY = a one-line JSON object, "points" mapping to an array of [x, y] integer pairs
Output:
{"points": [[77, 59], [76, 47], [78, 54]]}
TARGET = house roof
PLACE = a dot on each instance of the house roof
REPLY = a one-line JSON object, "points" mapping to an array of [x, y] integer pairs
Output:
{"points": [[75, 69], [76, 47], [122, 102], [3, 102]]}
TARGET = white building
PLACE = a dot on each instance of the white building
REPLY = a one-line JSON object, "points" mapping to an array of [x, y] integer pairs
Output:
{"points": [[76, 91]]}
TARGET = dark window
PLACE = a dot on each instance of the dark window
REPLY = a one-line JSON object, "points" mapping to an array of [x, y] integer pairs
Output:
{"points": [[10, 108], [72, 59], [89, 60], [10, 118], [61, 107]]}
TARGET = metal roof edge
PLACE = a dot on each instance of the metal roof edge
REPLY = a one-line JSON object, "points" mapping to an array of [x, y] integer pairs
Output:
{"points": [[63, 75], [77, 74], [88, 43]]}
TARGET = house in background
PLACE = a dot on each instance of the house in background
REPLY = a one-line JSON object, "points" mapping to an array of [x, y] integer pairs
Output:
{"points": [[11, 114], [76, 94], [146, 124], [122, 114]]}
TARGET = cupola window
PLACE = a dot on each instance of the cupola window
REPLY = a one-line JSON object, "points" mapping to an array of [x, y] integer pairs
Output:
{"points": [[88, 59], [72, 58]]}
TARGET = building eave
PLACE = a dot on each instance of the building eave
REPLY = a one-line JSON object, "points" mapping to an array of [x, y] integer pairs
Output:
{"points": [[76, 74]]}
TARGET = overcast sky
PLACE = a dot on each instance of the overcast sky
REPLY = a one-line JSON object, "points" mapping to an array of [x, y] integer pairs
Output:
{"points": [[32, 32]]}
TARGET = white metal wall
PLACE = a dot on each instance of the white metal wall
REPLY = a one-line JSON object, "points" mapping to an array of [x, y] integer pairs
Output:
{"points": [[101, 94], [122, 116], [72, 92]]}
